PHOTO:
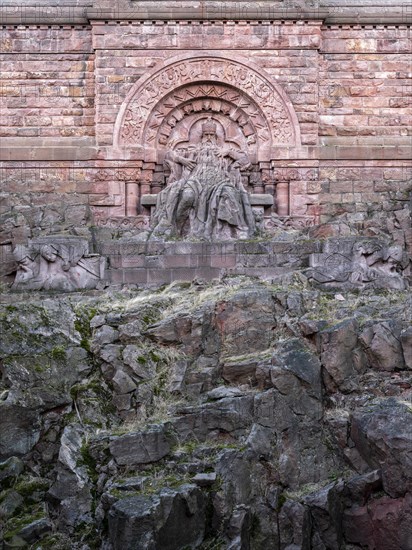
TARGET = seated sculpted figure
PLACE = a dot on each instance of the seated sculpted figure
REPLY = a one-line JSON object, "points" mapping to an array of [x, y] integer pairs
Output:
{"points": [[204, 197]]}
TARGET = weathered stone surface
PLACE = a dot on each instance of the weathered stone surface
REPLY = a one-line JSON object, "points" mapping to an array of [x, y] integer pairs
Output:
{"points": [[325, 509], [295, 525], [288, 411], [406, 341], [172, 520], [10, 503], [20, 428], [122, 382], [297, 359], [70, 495], [238, 530], [132, 356], [222, 392], [240, 370], [359, 488], [272, 446], [35, 530], [382, 345], [384, 522], [383, 436], [10, 469], [228, 416], [104, 335], [338, 355], [141, 447], [233, 321], [204, 479]]}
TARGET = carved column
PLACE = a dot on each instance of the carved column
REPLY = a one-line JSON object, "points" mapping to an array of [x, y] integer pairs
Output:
{"points": [[283, 176], [147, 177], [158, 179], [256, 182], [268, 182], [132, 198], [282, 198]]}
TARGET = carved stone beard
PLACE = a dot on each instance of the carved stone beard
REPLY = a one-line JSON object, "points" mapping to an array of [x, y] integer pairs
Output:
{"points": [[208, 155]]}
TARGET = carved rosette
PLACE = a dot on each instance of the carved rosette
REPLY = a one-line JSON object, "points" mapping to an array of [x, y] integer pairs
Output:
{"points": [[216, 85]]}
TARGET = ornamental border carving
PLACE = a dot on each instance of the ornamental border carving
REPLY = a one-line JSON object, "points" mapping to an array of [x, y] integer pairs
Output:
{"points": [[199, 99], [143, 104]]}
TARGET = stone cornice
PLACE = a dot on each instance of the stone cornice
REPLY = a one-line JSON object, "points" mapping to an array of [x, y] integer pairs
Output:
{"points": [[328, 11]]}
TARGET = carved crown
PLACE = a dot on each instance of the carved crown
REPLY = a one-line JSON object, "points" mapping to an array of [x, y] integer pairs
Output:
{"points": [[209, 126]]}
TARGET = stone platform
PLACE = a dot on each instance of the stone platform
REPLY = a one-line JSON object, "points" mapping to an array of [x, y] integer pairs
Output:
{"points": [[158, 262]]}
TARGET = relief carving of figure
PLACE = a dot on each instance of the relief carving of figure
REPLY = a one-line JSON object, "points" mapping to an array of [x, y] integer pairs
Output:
{"points": [[372, 262], [205, 197], [64, 266], [369, 264]]}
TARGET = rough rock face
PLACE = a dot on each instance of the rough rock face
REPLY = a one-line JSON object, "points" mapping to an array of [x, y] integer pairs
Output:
{"points": [[239, 415], [175, 518]]}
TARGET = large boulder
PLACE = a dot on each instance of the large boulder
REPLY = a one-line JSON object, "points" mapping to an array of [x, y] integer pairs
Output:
{"points": [[141, 447], [383, 436], [340, 356], [20, 430], [171, 520], [229, 417], [70, 494], [292, 411], [245, 322], [36, 384], [326, 512], [383, 523], [382, 345]]}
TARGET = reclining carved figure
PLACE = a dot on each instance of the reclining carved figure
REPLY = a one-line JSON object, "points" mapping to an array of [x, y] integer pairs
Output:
{"points": [[369, 264], [63, 265]]}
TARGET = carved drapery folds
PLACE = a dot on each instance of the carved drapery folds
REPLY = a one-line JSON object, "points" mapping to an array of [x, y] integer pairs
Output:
{"points": [[205, 197]]}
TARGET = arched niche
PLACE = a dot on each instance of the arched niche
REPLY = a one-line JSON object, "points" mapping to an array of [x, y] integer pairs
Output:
{"points": [[214, 84], [176, 128], [160, 110]]}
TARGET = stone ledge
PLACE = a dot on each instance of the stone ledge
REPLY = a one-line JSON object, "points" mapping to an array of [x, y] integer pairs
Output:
{"points": [[342, 149], [32, 149], [82, 12], [382, 152], [59, 150]]}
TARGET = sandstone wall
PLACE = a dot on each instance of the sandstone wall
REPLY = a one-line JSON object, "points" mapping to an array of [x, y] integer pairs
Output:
{"points": [[64, 84]]}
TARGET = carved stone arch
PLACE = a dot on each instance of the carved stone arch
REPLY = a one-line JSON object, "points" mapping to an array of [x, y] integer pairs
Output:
{"points": [[244, 122], [259, 105]]}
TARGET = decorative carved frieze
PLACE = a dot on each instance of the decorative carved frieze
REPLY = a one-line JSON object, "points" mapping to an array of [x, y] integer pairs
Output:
{"points": [[206, 84], [101, 219], [118, 174], [295, 174]]}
